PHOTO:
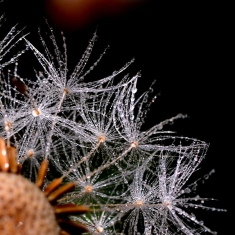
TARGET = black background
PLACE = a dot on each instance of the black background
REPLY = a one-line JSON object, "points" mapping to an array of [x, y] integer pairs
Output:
{"points": [[187, 49]]}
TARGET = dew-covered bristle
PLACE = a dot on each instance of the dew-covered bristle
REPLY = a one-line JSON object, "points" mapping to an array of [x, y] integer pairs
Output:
{"points": [[7, 44]]}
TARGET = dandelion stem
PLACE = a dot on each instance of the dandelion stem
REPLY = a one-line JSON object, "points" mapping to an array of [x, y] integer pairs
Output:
{"points": [[53, 125], [122, 206], [83, 159], [101, 168]]}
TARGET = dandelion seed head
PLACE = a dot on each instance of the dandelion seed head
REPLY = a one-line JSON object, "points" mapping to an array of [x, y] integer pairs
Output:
{"points": [[101, 138], [99, 229], [36, 112], [167, 202], [66, 91], [30, 153], [24, 208], [134, 144], [8, 125], [97, 124], [139, 202], [88, 188]]}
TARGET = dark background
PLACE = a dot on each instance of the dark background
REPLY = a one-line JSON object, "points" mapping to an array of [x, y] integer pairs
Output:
{"points": [[187, 49]]}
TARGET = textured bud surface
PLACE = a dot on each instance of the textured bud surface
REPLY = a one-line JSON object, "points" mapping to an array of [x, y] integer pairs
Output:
{"points": [[24, 210]]}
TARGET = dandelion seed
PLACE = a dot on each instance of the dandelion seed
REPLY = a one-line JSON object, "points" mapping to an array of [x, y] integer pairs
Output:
{"points": [[99, 223], [56, 70], [90, 190], [138, 205], [172, 180], [128, 125]]}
